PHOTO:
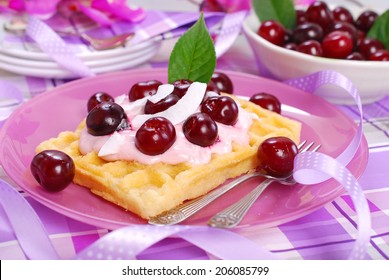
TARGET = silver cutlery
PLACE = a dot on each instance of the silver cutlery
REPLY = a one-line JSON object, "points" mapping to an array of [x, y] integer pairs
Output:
{"points": [[234, 214]]}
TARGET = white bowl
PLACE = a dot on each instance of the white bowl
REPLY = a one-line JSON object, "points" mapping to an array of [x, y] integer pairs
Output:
{"points": [[371, 78]]}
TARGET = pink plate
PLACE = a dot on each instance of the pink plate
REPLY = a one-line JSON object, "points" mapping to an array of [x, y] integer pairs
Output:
{"points": [[64, 107]]}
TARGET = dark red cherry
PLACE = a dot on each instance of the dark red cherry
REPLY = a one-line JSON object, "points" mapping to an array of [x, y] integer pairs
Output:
{"points": [[105, 119], [222, 109], [181, 87], [368, 46], [307, 31], [143, 89], [276, 156], [380, 55], [97, 98], [211, 86], [337, 44], [222, 82], [162, 105], [318, 12], [291, 46], [366, 20], [360, 36], [267, 101], [54, 170], [345, 27], [200, 129], [155, 136], [311, 47], [343, 15], [301, 17], [288, 36], [272, 31], [355, 56]]}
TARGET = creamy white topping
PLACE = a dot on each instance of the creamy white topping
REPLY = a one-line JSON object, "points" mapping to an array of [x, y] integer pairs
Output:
{"points": [[121, 145]]}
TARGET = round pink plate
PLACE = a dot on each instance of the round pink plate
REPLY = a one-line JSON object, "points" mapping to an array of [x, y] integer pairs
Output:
{"points": [[64, 107]]}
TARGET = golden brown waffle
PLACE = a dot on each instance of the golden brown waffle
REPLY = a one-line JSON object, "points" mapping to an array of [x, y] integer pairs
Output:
{"points": [[148, 190]]}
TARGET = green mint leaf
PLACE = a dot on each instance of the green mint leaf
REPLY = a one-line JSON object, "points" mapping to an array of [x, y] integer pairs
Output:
{"points": [[281, 10], [193, 56], [380, 29]]}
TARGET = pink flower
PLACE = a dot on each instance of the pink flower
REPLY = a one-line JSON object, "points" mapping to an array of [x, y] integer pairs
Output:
{"points": [[227, 6], [102, 11]]}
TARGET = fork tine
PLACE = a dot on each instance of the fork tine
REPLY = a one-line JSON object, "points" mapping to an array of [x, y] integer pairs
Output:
{"points": [[301, 145], [317, 148], [307, 147]]}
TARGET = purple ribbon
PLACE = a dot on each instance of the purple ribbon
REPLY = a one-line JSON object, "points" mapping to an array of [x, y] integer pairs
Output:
{"points": [[310, 168], [314, 167], [52, 44]]}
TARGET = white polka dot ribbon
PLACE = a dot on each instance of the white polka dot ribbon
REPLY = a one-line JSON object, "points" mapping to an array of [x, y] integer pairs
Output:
{"points": [[314, 167], [55, 47], [128, 242]]}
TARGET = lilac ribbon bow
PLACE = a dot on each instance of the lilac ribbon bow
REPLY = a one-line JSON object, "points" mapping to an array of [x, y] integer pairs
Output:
{"points": [[314, 167]]}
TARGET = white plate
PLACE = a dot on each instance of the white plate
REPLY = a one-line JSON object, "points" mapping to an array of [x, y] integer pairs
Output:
{"points": [[57, 73], [84, 53], [50, 64]]}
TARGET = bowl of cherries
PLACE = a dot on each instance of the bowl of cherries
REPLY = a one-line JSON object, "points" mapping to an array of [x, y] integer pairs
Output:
{"points": [[341, 39]]}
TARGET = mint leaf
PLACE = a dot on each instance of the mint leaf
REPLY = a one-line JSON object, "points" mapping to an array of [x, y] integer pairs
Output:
{"points": [[380, 29], [281, 10], [193, 56]]}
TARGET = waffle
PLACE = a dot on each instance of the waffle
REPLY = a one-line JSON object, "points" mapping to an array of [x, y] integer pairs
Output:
{"points": [[148, 190]]}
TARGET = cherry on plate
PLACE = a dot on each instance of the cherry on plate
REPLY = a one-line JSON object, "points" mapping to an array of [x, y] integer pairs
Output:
{"points": [[143, 89], [105, 119], [97, 98], [54, 170], [155, 136], [181, 87], [161, 105], [222, 109], [200, 129], [222, 82], [267, 101], [276, 156]]}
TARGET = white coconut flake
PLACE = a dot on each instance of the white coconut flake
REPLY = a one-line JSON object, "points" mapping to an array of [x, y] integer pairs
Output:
{"points": [[179, 112], [134, 106], [163, 91], [112, 145]]}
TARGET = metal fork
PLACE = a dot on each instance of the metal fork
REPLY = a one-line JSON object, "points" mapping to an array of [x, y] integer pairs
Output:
{"points": [[187, 209], [234, 214]]}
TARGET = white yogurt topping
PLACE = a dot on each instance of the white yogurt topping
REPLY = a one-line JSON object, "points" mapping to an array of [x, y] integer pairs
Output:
{"points": [[121, 145]]}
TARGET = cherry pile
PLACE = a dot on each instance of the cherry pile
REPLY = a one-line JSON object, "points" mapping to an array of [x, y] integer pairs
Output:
{"points": [[158, 134], [323, 32]]}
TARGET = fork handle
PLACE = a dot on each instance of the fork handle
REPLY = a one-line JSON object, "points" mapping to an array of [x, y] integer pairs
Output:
{"points": [[234, 214], [185, 210]]}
